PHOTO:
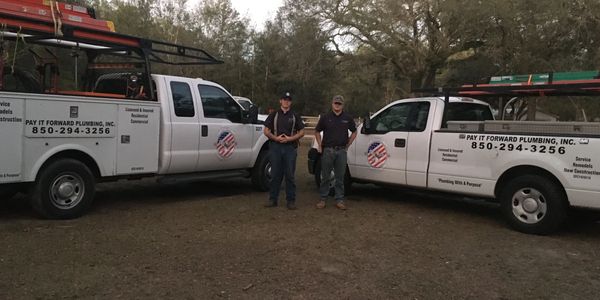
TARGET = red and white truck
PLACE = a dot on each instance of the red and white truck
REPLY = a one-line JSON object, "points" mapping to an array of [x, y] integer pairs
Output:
{"points": [[107, 118]]}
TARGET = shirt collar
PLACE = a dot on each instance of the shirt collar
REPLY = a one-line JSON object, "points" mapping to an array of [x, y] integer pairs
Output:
{"points": [[337, 116]]}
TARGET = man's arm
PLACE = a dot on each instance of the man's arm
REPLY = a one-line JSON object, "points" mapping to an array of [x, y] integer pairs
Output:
{"points": [[269, 134], [353, 130], [351, 139], [267, 130], [296, 136], [318, 130]]}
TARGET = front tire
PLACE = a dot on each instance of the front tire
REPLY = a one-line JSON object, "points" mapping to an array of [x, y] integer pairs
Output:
{"points": [[64, 190], [7, 193], [261, 173], [534, 204]]}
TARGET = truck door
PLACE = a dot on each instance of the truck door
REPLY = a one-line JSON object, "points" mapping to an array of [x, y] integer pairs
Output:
{"points": [[381, 154], [185, 131], [225, 142], [419, 135]]}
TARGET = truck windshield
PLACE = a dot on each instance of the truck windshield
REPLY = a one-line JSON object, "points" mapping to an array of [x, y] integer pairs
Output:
{"points": [[460, 111]]}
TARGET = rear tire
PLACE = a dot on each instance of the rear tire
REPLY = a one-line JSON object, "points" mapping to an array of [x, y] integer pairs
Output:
{"points": [[347, 180], [64, 190], [261, 173], [7, 193], [534, 204]]}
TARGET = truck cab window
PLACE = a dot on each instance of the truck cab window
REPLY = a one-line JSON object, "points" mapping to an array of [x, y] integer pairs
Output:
{"points": [[394, 118], [183, 102], [216, 103], [459, 111]]}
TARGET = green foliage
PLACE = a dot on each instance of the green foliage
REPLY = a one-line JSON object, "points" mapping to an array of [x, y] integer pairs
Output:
{"points": [[372, 51]]}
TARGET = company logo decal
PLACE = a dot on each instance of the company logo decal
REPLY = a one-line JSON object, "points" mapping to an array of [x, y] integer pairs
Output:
{"points": [[377, 155], [225, 144]]}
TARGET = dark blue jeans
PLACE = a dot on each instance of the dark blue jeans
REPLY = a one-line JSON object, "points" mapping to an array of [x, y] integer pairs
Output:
{"points": [[283, 163], [333, 160]]}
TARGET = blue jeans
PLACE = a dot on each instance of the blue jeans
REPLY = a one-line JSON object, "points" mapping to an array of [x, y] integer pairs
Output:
{"points": [[283, 163], [333, 160]]}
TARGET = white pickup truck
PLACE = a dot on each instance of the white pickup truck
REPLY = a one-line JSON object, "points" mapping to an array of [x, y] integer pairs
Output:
{"points": [[60, 146], [535, 170], [81, 107]]}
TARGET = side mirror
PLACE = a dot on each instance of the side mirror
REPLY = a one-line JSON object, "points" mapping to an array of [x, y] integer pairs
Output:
{"points": [[250, 115], [366, 128], [253, 114]]}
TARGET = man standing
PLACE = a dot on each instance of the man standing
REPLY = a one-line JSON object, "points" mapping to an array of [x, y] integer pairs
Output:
{"points": [[333, 147], [283, 128]]}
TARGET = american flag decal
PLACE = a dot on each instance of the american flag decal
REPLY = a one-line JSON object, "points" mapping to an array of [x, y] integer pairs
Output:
{"points": [[377, 155], [225, 144]]}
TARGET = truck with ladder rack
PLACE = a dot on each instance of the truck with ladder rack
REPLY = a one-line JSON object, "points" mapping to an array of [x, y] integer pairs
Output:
{"points": [[79, 105], [451, 143]]}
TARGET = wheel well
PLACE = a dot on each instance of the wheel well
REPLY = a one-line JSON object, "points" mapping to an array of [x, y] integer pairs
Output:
{"points": [[76, 155], [522, 170], [264, 147]]}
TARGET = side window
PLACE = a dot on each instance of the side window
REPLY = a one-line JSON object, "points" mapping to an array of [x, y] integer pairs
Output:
{"points": [[182, 99], [394, 118], [459, 111], [216, 103]]}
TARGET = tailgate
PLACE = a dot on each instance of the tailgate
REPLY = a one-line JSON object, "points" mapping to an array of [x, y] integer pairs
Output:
{"points": [[11, 135]]}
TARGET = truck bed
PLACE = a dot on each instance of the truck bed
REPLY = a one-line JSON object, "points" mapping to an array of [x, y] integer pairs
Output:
{"points": [[120, 134], [526, 127]]}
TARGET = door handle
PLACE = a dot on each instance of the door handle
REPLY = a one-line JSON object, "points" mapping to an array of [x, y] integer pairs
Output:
{"points": [[400, 143], [204, 129]]}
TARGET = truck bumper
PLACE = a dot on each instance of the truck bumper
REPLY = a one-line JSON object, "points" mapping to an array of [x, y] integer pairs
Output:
{"points": [[313, 156]]}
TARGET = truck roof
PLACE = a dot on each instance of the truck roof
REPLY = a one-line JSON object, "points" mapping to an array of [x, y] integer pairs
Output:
{"points": [[452, 100]]}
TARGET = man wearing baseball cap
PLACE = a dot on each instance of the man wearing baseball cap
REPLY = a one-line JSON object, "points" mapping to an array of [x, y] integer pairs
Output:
{"points": [[335, 126], [283, 128]]}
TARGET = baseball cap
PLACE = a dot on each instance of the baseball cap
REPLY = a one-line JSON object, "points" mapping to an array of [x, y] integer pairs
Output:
{"points": [[338, 98], [286, 96]]}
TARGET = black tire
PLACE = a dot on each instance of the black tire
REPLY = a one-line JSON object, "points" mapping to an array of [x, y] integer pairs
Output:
{"points": [[261, 173], [7, 193], [347, 180], [63, 190], [534, 204]]}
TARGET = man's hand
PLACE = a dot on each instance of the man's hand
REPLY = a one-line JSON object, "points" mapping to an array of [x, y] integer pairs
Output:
{"points": [[319, 149], [282, 138]]}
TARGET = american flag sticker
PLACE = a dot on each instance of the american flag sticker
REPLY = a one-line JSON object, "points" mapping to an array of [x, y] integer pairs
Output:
{"points": [[225, 144], [377, 155]]}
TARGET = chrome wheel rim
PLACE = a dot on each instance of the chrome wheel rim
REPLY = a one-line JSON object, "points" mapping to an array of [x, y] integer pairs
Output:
{"points": [[67, 191], [529, 205]]}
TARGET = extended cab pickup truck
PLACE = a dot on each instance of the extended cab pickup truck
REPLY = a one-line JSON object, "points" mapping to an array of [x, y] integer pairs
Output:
{"points": [[535, 170], [60, 146], [82, 107]]}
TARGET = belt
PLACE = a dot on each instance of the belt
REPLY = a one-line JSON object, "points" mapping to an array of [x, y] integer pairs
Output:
{"points": [[336, 148]]}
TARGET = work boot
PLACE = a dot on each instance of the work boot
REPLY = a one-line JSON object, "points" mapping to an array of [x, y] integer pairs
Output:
{"points": [[321, 204], [291, 206], [271, 204], [341, 205]]}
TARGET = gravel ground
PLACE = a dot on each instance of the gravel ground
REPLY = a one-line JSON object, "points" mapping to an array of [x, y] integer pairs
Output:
{"points": [[215, 240]]}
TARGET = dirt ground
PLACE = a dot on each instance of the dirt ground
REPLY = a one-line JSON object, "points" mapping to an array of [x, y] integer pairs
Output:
{"points": [[213, 240]]}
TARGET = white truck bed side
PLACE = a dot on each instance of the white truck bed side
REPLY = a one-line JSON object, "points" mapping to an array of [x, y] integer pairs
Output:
{"points": [[99, 128], [472, 162]]}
